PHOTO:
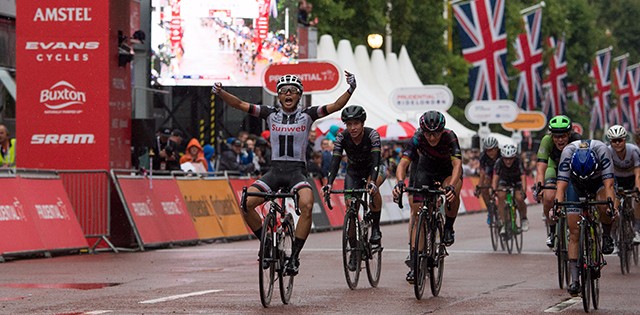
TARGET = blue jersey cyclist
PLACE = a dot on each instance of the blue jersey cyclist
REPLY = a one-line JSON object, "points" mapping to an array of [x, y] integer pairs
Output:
{"points": [[509, 171], [362, 146], [438, 158], [587, 165], [289, 126]]}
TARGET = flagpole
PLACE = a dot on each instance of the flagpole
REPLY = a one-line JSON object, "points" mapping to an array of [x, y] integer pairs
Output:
{"points": [[532, 8], [604, 50], [616, 59]]}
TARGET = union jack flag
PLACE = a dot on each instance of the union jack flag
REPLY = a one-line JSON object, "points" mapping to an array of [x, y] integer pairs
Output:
{"points": [[575, 94], [601, 74], [484, 45], [555, 98], [528, 47], [633, 79], [619, 116]]}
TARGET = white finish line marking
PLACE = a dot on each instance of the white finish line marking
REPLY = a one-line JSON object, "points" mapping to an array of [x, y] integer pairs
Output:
{"points": [[563, 305], [179, 296]]}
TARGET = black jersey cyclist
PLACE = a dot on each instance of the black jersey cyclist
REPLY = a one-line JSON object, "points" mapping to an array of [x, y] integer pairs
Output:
{"points": [[488, 157], [289, 126], [587, 165], [509, 170], [364, 165], [551, 146], [438, 158]]}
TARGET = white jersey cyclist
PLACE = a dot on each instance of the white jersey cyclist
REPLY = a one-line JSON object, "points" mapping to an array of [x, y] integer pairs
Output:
{"points": [[624, 167]]}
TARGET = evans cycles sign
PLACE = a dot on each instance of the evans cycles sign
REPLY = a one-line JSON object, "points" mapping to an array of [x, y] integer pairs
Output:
{"points": [[316, 76]]}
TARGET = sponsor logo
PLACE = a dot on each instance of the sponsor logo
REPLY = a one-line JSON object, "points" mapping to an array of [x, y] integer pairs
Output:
{"points": [[54, 138], [59, 51], [143, 209], [170, 208], [288, 128], [69, 14], [60, 96], [53, 211], [12, 212]]}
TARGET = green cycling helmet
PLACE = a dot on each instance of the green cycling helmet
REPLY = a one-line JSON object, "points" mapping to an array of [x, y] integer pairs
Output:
{"points": [[560, 124]]}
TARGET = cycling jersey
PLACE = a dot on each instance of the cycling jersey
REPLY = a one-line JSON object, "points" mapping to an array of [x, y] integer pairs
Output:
{"points": [[593, 183], [289, 131], [509, 175], [550, 154], [487, 164], [625, 167], [363, 158], [435, 160]]}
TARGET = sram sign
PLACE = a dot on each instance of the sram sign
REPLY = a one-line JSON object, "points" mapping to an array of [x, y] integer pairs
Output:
{"points": [[316, 76], [54, 138]]}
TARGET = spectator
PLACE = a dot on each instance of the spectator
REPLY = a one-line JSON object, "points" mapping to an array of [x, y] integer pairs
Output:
{"points": [[230, 160], [332, 133], [7, 148], [177, 138], [314, 166], [209, 156], [304, 11], [263, 154], [327, 152], [195, 156], [166, 157], [248, 153]]}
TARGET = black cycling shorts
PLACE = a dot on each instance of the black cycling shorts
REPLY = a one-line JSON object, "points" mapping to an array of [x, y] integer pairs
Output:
{"points": [[283, 175]]}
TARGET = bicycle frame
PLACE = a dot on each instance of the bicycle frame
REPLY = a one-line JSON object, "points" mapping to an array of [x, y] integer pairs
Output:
{"points": [[511, 222]]}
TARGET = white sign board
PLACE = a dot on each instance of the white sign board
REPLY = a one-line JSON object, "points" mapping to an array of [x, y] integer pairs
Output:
{"points": [[492, 112], [436, 97]]}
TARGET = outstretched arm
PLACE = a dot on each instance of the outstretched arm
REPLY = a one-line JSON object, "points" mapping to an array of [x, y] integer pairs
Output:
{"points": [[344, 98], [229, 98]]}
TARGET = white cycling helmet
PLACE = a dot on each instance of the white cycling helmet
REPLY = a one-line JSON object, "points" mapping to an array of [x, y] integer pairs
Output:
{"points": [[508, 151], [616, 132], [289, 79], [490, 143]]}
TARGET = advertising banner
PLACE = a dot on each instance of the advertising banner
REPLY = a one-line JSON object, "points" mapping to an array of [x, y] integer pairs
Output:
{"points": [[317, 76], [65, 56], [471, 202], [196, 197], [17, 229], [318, 212], [221, 197], [335, 216], [158, 212]]}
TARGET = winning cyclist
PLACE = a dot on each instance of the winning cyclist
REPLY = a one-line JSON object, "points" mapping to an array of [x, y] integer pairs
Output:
{"points": [[436, 152], [626, 164], [551, 147], [362, 145], [587, 165], [509, 171], [289, 126], [490, 153]]}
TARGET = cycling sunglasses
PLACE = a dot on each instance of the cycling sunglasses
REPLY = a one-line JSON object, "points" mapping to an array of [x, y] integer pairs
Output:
{"points": [[289, 88], [617, 140]]}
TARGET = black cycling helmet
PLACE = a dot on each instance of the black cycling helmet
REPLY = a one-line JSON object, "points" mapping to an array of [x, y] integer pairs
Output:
{"points": [[560, 124], [432, 121], [354, 112]]}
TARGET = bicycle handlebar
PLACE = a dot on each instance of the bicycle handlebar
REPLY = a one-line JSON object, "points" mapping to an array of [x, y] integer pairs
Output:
{"points": [[327, 197], [270, 196], [583, 203]]}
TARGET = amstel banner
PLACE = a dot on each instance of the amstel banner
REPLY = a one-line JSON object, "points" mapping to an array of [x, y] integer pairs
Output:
{"points": [[75, 101]]}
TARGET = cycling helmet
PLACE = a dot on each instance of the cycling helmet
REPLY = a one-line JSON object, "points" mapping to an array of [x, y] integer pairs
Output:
{"points": [[616, 132], [490, 143], [583, 163], [289, 79], [560, 124], [508, 151], [432, 121], [354, 112]]}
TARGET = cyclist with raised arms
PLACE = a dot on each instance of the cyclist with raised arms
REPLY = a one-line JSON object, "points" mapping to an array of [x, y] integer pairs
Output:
{"points": [[551, 147], [488, 157], [364, 166], [289, 126], [626, 164], [587, 165], [508, 171], [439, 160]]}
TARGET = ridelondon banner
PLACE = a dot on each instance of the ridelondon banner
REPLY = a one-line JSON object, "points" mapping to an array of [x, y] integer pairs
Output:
{"points": [[75, 101]]}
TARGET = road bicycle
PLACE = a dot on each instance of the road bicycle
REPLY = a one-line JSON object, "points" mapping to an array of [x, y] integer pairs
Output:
{"points": [[625, 232], [278, 233], [355, 238], [512, 223], [494, 222], [590, 258], [561, 241], [427, 249]]}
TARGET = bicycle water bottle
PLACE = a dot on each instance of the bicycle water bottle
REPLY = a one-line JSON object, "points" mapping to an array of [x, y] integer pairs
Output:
{"points": [[509, 198]]}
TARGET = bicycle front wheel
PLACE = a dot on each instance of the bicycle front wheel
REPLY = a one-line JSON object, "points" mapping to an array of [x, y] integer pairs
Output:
{"points": [[420, 254], [267, 265], [438, 252], [285, 245], [596, 265], [351, 254], [585, 270], [374, 261], [564, 276], [625, 241], [494, 228], [509, 232], [517, 229]]}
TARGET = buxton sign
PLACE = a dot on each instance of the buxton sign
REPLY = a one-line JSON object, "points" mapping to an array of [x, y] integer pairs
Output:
{"points": [[438, 97], [316, 76], [535, 121], [492, 112]]}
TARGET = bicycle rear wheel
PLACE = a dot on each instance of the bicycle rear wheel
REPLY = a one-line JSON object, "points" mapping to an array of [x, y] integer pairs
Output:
{"points": [[438, 252], [351, 246], [585, 270], [597, 262], [285, 246], [267, 266], [625, 241], [494, 228], [420, 255], [635, 254]]}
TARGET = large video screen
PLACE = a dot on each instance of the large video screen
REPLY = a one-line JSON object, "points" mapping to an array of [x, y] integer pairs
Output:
{"points": [[199, 42]]}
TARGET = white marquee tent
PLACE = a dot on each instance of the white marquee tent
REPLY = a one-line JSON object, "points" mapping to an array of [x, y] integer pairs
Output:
{"points": [[377, 77]]}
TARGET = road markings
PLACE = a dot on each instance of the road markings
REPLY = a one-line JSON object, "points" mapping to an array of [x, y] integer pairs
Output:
{"points": [[98, 312], [563, 305], [179, 296]]}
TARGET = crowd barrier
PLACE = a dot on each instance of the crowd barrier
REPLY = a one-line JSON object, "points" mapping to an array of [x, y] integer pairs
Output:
{"points": [[62, 210]]}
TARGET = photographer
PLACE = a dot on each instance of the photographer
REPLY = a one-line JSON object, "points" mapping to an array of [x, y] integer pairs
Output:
{"points": [[166, 156]]}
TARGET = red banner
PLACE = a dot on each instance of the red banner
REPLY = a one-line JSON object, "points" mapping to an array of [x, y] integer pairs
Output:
{"points": [[316, 76], [158, 210], [17, 231], [336, 216], [72, 93]]}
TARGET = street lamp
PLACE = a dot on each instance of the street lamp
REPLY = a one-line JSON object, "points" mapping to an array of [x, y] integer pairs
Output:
{"points": [[374, 41]]}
